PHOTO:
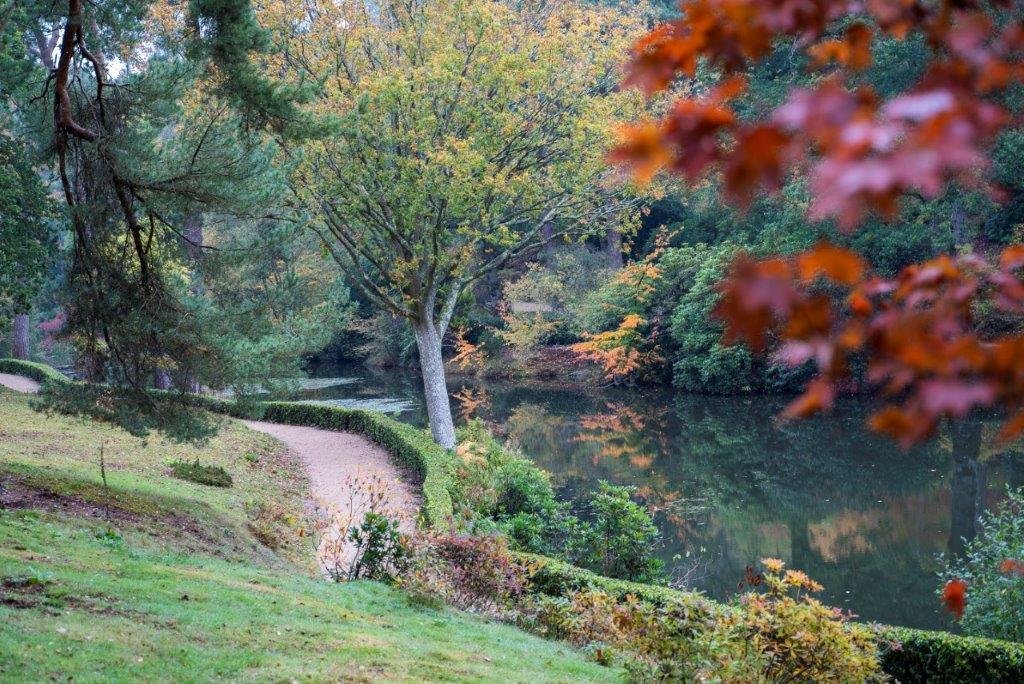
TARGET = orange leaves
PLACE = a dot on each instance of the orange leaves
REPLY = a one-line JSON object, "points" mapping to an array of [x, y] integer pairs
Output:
{"points": [[915, 332], [468, 356], [759, 161], [863, 154], [819, 396], [954, 597], [730, 34], [853, 50], [621, 352], [1012, 566], [835, 263], [692, 125], [727, 31], [642, 149]]}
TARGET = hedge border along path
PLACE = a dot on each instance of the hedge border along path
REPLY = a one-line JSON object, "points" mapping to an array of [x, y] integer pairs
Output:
{"points": [[918, 655]]}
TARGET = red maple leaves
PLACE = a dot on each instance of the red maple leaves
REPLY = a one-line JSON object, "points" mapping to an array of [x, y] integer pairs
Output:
{"points": [[954, 597], [954, 592], [915, 331], [1012, 566], [863, 153]]}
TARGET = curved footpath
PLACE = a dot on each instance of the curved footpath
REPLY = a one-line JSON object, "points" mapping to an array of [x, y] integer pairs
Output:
{"points": [[19, 383], [332, 459]]}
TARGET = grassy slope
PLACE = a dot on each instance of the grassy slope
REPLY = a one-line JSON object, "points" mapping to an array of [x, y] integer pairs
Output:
{"points": [[181, 591]]}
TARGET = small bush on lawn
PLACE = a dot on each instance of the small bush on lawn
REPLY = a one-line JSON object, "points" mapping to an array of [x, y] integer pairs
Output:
{"points": [[194, 471], [476, 573], [359, 538], [995, 586], [380, 550]]}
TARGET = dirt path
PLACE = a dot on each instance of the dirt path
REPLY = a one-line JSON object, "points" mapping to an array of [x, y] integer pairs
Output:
{"points": [[345, 471], [335, 459], [19, 383]]}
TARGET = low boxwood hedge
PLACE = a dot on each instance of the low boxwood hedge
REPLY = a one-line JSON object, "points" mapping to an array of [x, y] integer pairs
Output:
{"points": [[909, 655], [922, 656], [412, 447], [557, 578], [40, 372]]}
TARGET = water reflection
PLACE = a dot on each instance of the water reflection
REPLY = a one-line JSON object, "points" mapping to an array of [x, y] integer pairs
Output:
{"points": [[729, 485]]}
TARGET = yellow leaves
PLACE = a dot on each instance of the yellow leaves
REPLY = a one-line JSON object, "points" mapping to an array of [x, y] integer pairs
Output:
{"points": [[468, 356], [618, 351], [525, 332]]}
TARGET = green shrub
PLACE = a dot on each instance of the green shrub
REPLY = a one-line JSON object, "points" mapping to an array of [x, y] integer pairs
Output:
{"points": [[995, 599], [621, 540], [700, 362], [522, 487], [779, 634], [800, 638], [40, 372], [499, 490], [380, 552], [194, 471]]}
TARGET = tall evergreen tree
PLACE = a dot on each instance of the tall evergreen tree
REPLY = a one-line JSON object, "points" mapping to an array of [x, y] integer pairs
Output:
{"points": [[146, 126]]}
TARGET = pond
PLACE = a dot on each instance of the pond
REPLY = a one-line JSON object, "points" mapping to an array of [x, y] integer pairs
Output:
{"points": [[729, 484]]}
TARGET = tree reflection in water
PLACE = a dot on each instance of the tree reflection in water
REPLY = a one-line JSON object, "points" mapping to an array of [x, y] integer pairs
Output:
{"points": [[729, 483]]}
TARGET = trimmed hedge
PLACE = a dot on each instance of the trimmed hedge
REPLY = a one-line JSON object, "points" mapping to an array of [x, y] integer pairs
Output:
{"points": [[908, 655], [917, 656], [556, 578], [40, 372], [412, 447], [922, 656]]}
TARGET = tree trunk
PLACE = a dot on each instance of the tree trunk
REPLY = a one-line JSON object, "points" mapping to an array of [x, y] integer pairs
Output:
{"points": [[613, 247], [967, 484], [162, 379], [194, 249], [435, 390], [20, 337]]}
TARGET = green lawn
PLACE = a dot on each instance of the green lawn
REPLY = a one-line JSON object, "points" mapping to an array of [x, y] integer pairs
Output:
{"points": [[177, 588]]}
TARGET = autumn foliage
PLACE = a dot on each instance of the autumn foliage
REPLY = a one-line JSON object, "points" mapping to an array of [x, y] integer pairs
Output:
{"points": [[915, 331], [954, 596], [862, 154]]}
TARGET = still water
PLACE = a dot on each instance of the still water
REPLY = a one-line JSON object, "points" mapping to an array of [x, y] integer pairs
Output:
{"points": [[728, 484]]}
